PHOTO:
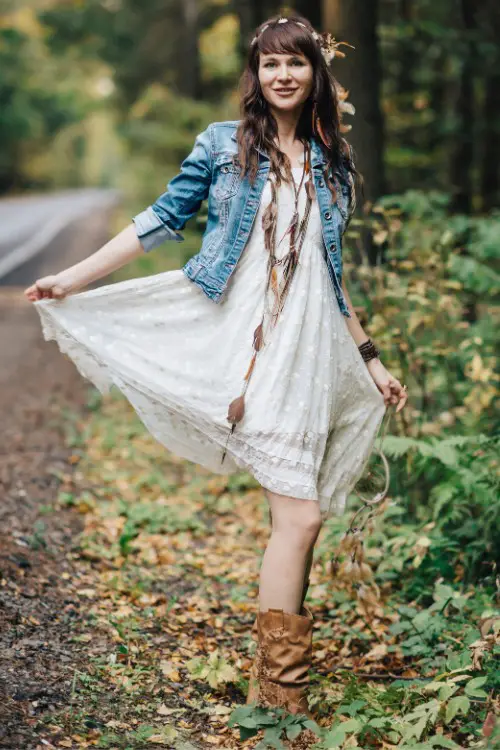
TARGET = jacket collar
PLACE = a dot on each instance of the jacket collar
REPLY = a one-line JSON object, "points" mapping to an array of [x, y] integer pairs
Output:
{"points": [[317, 156]]}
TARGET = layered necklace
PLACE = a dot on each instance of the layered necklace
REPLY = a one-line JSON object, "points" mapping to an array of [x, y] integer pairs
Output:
{"points": [[276, 288]]}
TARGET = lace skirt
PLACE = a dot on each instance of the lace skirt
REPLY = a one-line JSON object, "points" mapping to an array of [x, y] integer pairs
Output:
{"points": [[312, 408]]}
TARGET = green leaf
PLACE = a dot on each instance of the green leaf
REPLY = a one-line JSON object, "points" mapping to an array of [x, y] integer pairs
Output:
{"points": [[272, 737], [471, 688], [351, 725], [246, 733], [459, 704], [293, 732], [335, 737], [441, 741]]}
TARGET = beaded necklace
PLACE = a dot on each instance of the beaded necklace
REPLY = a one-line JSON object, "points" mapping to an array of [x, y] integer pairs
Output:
{"points": [[296, 232]]}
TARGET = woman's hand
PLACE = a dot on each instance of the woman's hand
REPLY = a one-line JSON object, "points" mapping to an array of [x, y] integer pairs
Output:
{"points": [[389, 386], [48, 287]]}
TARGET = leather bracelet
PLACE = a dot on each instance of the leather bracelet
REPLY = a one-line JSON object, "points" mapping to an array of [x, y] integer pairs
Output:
{"points": [[368, 350]]}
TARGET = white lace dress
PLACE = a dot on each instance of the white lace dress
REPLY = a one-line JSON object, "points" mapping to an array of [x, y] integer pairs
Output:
{"points": [[312, 408]]}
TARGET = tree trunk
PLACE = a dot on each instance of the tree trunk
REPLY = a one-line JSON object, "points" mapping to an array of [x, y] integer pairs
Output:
{"points": [[355, 21], [490, 174], [463, 156], [188, 79], [407, 53], [312, 10], [251, 14], [439, 96]]}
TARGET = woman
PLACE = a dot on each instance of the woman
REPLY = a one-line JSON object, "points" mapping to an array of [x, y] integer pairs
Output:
{"points": [[257, 330]]}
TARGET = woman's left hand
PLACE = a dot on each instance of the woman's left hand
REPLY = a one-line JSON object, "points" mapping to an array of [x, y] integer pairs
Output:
{"points": [[389, 386]]}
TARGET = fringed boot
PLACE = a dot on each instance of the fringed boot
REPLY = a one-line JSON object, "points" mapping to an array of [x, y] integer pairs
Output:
{"points": [[285, 653], [253, 686], [282, 666]]}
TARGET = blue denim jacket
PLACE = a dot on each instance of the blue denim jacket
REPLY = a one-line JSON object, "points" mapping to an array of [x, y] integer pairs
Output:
{"points": [[209, 172]]}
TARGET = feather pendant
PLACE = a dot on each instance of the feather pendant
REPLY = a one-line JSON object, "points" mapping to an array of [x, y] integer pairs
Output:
{"points": [[293, 224], [293, 228], [250, 367], [236, 410], [258, 337], [269, 216], [274, 282], [321, 133], [227, 441], [310, 189], [289, 270]]}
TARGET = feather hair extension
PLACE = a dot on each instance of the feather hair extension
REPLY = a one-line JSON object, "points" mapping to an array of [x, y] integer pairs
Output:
{"points": [[258, 337]]}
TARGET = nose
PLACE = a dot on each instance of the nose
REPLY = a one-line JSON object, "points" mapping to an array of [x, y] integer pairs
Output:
{"points": [[284, 72]]}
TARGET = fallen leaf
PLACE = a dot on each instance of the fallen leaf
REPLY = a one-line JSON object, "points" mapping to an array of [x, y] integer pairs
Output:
{"points": [[489, 724], [164, 710]]}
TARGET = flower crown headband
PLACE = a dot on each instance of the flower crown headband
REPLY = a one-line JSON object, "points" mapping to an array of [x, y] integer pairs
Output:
{"points": [[328, 45]]}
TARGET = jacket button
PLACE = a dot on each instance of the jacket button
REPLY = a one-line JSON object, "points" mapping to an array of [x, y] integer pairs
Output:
{"points": [[332, 247], [321, 183], [328, 215], [225, 170]]}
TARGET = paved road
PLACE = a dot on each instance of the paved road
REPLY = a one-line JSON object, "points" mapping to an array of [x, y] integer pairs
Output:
{"points": [[28, 225]]}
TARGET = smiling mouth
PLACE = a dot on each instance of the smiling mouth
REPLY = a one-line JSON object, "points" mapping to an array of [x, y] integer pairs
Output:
{"points": [[285, 91]]}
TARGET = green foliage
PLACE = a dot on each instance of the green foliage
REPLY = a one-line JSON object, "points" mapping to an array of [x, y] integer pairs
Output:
{"points": [[276, 724], [154, 519], [215, 669], [34, 106], [434, 308], [452, 492]]}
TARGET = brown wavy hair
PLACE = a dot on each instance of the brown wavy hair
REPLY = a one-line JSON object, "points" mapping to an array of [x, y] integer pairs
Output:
{"points": [[258, 127]]}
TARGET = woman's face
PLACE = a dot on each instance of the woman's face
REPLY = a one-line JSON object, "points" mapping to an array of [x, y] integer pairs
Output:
{"points": [[286, 80]]}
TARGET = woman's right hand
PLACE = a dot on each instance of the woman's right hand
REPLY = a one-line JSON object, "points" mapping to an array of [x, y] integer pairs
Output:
{"points": [[48, 287]]}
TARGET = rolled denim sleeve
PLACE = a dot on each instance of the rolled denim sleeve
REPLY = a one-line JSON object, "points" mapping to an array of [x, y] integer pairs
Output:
{"points": [[182, 198]]}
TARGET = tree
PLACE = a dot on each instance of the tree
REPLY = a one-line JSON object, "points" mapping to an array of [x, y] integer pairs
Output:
{"points": [[312, 10], [251, 14], [490, 167], [462, 157], [355, 21], [156, 42]]}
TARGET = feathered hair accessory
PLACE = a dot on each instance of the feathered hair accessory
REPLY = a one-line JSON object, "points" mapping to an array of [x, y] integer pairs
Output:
{"points": [[327, 42]]}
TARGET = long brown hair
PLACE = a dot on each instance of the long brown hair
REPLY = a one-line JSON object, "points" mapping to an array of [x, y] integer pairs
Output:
{"points": [[258, 127]]}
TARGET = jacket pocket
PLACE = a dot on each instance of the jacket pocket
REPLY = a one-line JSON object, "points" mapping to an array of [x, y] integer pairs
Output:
{"points": [[226, 177]]}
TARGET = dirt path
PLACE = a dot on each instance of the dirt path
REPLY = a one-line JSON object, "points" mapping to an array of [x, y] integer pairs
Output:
{"points": [[37, 606]]}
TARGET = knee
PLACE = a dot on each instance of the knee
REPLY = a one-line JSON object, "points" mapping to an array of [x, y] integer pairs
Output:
{"points": [[301, 528]]}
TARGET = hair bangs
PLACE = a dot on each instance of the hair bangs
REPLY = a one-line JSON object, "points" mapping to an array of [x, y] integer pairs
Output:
{"points": [[287, 38]]}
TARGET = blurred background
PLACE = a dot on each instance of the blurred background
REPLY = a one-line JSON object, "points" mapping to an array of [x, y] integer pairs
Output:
{"points": [[102, 99], [111, 92]]}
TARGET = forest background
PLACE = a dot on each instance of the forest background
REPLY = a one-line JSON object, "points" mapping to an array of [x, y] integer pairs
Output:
{"points": [[111, 93]]}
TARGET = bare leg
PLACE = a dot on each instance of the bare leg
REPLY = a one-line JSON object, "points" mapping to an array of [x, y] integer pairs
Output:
{"points": [[309, 563], [296, 524], [307, 573]]}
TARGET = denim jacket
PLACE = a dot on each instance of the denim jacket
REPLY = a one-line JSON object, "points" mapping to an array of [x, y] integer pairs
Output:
{"points": [[209, 172]]}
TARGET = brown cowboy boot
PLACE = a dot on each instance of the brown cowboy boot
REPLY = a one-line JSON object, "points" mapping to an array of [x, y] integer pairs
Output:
{"points": [[253, 685], [283, 659]]}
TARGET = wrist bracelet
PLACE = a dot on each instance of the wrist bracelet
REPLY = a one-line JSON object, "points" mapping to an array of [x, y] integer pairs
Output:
{"points": [[368, 350]]}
